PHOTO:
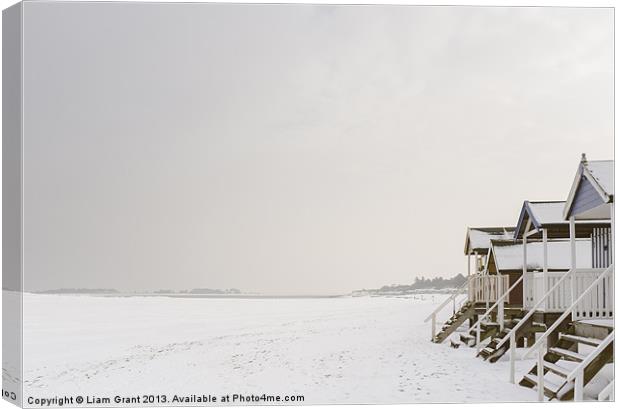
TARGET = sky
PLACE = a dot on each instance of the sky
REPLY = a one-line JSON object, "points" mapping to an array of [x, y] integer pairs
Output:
{"points": [[296, 149]]}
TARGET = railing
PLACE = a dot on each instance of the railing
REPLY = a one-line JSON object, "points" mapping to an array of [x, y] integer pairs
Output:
{"points": [[487, 288], [499, 304], [541, 344], [512, 335], [433, 315], [600, 302], [598, 305], [578, 373], [558, 300], [480, 288]]}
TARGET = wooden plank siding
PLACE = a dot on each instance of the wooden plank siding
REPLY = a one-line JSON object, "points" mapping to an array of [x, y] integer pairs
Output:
{"points": [[516, 295], [586, 197]]}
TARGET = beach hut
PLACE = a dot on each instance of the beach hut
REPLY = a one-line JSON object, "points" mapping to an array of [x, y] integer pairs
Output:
{"points": [[478, 243], [506, 258], [481, 288], [582, 296]]}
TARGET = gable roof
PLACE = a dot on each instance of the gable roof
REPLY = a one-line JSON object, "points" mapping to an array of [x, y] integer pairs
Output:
{"points": [[479, 238], [541, 214], [603, 172], [550, 215], [508, 255], [598, 176]]}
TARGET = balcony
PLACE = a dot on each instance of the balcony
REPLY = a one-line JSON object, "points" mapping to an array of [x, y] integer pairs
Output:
{"points": [[599, 303], [487, 288]]}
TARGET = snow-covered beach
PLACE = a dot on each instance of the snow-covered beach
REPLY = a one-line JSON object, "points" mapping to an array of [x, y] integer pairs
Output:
{"points": [[330, 350]]}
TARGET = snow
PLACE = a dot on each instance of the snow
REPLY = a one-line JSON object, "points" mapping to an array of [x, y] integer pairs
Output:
{"points": [[331, 350], [510, 256], [547, 212], [600, 322], [480, 238], [603, 172]]}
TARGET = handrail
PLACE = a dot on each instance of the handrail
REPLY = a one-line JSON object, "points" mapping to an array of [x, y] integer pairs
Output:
{"points": [[452, 297], [568, 311], [542, 341], [533, 309], [578, 374], [501, 298], [433, 315], [593, 354]]}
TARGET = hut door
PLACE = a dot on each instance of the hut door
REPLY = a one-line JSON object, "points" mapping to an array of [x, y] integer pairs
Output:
{"points": [[601, 248]]}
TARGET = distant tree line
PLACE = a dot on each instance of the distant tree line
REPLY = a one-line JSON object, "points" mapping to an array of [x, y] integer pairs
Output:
{"points": [[199, 291], [214, 291], [420, 283]]}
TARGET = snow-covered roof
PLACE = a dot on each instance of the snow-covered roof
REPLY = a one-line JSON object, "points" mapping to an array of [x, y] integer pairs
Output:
{"points": [[544, 214], [541, 214], [598, 176], [508, 255], [479, 238], [603, 172]]}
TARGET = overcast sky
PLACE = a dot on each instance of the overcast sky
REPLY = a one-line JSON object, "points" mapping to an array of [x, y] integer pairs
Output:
{"points": [[296, 149]]}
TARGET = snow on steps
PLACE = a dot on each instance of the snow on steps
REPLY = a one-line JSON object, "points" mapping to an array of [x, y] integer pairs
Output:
{"points": [[494, 350], [558, 360], [462, 315]]}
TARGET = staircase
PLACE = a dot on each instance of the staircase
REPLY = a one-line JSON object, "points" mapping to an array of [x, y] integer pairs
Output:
{"points": [[494, 350], [487, 329], [490, 327], [580, 346], [467, 311]]}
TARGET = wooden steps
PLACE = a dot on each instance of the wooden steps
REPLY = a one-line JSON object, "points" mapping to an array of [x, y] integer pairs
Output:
{"points": [[452, 324], [494, 351], [561, 358], [551, 388], [487, 330], [468, 339], [556, 369], [567, 354], [584, 340], [490, 328]]}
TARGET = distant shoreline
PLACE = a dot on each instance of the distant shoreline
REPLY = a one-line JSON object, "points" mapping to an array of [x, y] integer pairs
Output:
{"points": [[173, 295], [247, 296], [235, 296]]}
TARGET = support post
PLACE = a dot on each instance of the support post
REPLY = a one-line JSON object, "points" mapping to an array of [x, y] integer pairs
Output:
{"points": [[487, 280], [478, 338], [545, 266], [527, 284], [613, 243], [500, 313], [573, 264], [579, 387], [468, 264], [541, 371], [476, 261], [513, 355]]}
